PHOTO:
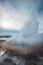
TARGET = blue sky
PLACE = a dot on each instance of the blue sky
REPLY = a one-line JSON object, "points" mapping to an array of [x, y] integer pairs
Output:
{"points": [[14, 13]]}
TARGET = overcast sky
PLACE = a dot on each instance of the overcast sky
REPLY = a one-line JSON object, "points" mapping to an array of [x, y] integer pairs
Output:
{"points": [[14, 13]]}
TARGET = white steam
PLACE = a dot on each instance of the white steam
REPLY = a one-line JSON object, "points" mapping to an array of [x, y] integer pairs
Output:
{"points": [[14, 13], [25, 14], [30, 28]]}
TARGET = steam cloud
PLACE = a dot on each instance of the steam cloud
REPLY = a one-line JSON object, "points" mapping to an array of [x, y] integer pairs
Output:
{"points": [[17, 12]]}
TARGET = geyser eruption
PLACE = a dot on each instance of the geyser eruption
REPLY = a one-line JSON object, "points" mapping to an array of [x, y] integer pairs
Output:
{"points": [[29, 33], [30, 28]]}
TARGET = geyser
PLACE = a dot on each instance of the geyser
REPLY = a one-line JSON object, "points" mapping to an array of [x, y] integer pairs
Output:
{"points": [[30, 28]]}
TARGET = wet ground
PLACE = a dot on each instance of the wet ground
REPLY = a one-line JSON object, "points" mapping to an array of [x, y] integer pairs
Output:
{"points": [[14, 60], [7, 60]]}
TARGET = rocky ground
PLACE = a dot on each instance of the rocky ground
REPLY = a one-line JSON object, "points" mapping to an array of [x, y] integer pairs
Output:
{"points": [[8, 58]]}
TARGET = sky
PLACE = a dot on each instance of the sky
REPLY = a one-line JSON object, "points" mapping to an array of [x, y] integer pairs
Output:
{"points": [[15, 13]]}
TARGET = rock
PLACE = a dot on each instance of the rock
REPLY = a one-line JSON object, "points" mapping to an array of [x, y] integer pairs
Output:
{"points": [[1, 63], [8, 60]]}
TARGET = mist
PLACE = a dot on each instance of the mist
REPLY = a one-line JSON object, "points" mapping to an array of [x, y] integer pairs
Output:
{"points": [[16, 13]]}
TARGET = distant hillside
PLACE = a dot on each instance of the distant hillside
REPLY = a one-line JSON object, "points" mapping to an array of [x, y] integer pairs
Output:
{"points": [[5, 36]]}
